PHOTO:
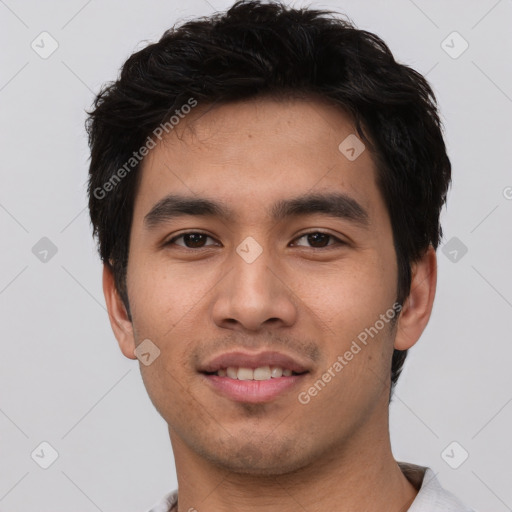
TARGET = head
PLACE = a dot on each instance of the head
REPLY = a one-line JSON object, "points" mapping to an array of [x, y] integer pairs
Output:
{"points": [[254, 110]]}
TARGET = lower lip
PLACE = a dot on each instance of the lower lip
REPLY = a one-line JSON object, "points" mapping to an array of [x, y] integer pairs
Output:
{"points": [[253, 391]]}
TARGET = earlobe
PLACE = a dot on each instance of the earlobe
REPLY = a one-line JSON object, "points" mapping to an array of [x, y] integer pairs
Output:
{"points": [[417, 308], [121, 324]]}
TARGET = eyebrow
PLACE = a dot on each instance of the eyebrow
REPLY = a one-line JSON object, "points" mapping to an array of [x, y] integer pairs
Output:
{"points": [[337, 205]]}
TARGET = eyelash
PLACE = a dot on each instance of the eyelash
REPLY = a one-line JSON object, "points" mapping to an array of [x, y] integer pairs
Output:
{"points": [[338, 241]]}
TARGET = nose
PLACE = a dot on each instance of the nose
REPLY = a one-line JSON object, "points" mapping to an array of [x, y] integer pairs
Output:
{"points": [[254, 296]]}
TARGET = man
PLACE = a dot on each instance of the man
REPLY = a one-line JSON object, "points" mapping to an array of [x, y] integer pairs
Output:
{"points": [[265, 185]]}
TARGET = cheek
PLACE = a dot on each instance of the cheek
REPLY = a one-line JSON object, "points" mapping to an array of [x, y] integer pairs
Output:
{"points": [[350, 296], [172, 396], [163, 297], [167, 302], [347, 305]]}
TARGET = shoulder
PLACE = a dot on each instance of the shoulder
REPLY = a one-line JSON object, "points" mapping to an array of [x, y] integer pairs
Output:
{"points": [[431, 497], [166, 504]]}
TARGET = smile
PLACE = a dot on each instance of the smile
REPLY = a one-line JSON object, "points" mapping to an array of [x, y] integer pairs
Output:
{"points": [[261, 373]]}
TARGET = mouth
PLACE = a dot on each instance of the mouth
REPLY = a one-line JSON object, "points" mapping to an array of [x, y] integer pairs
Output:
{"points": [[253, 378], [260, 373]]}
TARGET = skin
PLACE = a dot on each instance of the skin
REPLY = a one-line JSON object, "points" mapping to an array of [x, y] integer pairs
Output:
{"points": [[310, 301]]}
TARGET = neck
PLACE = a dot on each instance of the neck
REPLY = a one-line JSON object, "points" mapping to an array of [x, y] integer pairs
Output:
{"points": [[361, 475]]}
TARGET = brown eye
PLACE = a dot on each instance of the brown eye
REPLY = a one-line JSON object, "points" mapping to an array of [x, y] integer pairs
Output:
{"points": [[192, 240], [318, 240]]}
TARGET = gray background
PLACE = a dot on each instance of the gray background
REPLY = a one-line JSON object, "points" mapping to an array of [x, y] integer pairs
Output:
{"points": [[63, 379]]}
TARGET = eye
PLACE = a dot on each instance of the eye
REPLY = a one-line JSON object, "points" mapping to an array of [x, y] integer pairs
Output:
{"points": [[319, 240], [191, 240], [197, 240]]}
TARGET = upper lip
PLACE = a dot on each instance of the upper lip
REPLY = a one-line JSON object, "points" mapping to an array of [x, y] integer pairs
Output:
{"points": [[253, 360]]}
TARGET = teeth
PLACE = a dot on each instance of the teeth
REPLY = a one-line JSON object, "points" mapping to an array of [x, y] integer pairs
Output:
{"points": [[245, 374], [275, 372], [261, 373]]}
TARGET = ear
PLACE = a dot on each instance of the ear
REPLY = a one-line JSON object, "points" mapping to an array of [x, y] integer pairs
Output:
{"points": [[417, 308], [121, 325]]}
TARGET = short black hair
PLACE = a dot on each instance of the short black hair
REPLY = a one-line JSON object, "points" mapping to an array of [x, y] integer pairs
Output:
{"points": [[256, 49]]}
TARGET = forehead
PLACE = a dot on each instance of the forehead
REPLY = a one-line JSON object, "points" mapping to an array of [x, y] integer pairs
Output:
{"points": [[253, 154]]}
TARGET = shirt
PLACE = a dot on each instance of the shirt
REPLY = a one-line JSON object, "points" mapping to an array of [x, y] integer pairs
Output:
{"points": [[431, 496]]}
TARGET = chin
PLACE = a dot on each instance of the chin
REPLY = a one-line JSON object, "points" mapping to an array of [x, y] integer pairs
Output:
{"points": [[250, 459]]}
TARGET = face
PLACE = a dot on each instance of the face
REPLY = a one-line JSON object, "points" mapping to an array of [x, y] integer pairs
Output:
{"points": [[293, 265]]}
